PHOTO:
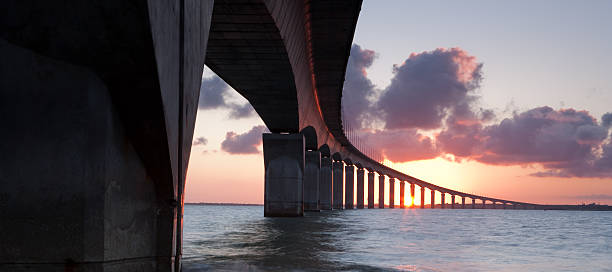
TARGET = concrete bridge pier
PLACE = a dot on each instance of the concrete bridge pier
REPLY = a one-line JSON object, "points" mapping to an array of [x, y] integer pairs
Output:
{"points": [[473, 203], [433, 199], [494, 205], [349, 186], [338, 184], [391, 192], [284, 174], [504, 204], [443, 204], [98, 109], [484, 203], [311, 180], [370, 189], [452, 201], [422, 197], [412, 195], [325, 184], [381, 191], [463, 202], [360, 188], [402, 193]]}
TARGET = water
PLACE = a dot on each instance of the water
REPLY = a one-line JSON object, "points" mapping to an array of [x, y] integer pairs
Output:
{"points": [[235, 238]]}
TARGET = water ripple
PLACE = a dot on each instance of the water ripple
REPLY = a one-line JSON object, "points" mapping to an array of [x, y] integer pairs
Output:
{"points": [[239, 238]]}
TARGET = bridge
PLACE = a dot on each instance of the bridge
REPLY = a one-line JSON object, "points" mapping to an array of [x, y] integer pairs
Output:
{"points": [[99, 100]]}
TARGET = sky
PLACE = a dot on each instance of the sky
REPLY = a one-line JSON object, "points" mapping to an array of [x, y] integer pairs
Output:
{"points": [[501, 98]]}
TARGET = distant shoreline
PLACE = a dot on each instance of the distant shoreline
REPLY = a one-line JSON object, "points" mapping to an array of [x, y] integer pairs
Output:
{"points": [[590, 207], [223, 204]]}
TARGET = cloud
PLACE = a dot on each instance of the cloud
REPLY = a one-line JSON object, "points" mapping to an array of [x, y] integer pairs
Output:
{"points": [[358, 89], [402, 145], [245, 143], [428, 87], [542, 135], [212, 93], [606, 120], [431, 108], [241, 111], [215, 93], [200, 141], [565, 143]]}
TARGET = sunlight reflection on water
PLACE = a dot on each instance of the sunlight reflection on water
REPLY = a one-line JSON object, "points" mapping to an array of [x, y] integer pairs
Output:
{"points": [[231, 238]]}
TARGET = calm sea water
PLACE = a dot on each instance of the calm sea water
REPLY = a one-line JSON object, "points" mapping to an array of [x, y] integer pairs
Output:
{"points": [[235, 238]]}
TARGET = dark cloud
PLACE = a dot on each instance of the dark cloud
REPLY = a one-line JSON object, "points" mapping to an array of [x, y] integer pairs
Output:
{"points": [[565, 143], [241, 111], [436, 91], [214, 93], [245, 143], [200, 141], [606, 120], [402, 145], [428, 87], [542, 135], [460, 137], [425, 90], [358, 89]]}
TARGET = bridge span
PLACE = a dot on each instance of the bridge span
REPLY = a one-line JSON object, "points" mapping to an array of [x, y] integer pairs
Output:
{"points": [[99, 99]]}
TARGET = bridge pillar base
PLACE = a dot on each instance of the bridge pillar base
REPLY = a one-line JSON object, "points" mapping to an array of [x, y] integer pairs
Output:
{"points": [[311, 181], [402, 194], [381, 191], [349, 186], [422, 197], [325, 184], [411, 195], [360, 188], [284, 174], [391, 193], [337, 184], [370, 190]]}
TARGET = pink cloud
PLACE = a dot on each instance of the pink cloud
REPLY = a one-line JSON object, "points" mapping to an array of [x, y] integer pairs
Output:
{"points": [[435, 90]]}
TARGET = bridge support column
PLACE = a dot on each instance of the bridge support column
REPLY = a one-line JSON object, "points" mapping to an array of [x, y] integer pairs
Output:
{"points": [[311, 180], [349, 186], [484, 204], [412, 195], [402, 193], [284, 174], [391, 192], [360, 188], [96, 132], [370, 189], [452, 201], [422, 197], [473, 203], [494, 206], [504, 204], [463, 202], [442, 196], [338, 184], [381, 191], [433, 199], [325, 184]]}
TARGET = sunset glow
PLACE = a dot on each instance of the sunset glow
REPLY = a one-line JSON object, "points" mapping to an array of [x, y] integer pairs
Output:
{"points": [[449, 149]]}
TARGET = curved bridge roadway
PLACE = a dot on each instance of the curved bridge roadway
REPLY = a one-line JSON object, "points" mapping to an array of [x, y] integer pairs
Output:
{"points": [[288, 58]]}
